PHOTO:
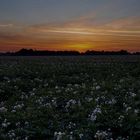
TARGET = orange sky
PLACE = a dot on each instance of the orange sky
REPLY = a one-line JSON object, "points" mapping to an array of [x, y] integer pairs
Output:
{"points": [[70, 25], [76, 34]]}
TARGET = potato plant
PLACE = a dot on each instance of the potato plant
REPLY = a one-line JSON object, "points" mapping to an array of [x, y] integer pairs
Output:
{"points": [[70, 98]]}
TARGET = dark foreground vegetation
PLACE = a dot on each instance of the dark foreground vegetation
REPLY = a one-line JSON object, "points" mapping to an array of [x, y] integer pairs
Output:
{"points": [[70, 98], [30, 52]]}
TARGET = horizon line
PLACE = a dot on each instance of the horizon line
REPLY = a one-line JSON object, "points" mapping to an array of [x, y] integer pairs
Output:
{"points": [[80, 52]]}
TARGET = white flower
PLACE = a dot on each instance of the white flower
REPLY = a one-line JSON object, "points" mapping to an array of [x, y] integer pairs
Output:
{"points": [[120, 120], [128, 108], [19, 106], [58, 135], [101, 135], [97, 99], [26, 138], [70, 102], [93, 117], [32, 94], [26, 123], [55, 133], [132, 94], [81, 135], [3, 109], [121, 117], [13, 111], [4, 124], [136, 111], [124, 104], [96, 111], [71, 125], [97, 87], [18, 124], [89, 99], [54, 102], [112, 101], [56, 87]]}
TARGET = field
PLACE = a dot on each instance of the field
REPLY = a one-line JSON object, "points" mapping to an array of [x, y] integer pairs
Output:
{"points": [[70, 98]]}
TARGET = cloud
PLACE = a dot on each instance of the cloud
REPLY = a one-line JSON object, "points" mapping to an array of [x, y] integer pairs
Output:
{"points": [[117, 34], [128, 23], [6, 25]]}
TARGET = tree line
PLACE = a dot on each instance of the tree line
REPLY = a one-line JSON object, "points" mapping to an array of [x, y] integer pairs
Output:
{"points": [[31, 52]]}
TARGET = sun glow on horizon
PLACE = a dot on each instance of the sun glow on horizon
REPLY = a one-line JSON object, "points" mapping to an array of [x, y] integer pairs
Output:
{"points": [[80, 47]]}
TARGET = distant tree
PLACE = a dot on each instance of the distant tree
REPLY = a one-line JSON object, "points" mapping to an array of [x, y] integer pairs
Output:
{"points": [[121, 52], [31, 52], [24, 52]]}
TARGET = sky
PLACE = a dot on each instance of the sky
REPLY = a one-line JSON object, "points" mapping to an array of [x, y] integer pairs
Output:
{"points": [[70, 25]]}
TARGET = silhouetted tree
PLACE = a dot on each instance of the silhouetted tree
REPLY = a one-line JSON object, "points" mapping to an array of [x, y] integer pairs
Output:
{"points": [[31, 52]]}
